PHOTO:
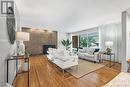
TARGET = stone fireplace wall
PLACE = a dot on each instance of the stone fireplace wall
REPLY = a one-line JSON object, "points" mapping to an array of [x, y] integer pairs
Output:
{"points": [[38, 38]]}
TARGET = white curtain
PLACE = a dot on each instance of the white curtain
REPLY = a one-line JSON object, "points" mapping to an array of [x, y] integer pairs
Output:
{"points": [[111, 32]]}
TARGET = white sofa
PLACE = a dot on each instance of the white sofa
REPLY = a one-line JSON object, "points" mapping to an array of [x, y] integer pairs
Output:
{"points": [[62, 58], [88, 54]]}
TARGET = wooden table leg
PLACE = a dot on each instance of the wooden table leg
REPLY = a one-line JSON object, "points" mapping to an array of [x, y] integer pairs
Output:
{"points": [[28, 72]]}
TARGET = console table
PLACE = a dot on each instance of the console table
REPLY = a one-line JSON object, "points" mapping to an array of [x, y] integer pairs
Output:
{"points": [[110, 58], [17, 58]]}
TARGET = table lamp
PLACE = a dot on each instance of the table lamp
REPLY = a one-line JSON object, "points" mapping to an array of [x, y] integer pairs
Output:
{"points": [[109, 45]]}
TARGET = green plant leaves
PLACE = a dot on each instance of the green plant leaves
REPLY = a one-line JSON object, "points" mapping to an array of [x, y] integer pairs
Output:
{"points": [[87, 41], [66, 43]]}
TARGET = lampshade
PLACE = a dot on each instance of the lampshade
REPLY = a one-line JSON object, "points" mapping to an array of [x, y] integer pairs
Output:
{"points": [[22, 36], [109, 43]]}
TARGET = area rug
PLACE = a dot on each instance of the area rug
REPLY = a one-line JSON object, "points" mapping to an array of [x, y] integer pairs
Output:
{"points": [[84, 67]]}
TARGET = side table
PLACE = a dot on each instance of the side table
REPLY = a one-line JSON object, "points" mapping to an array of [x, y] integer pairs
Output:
{"points": [[110, 59], [100, 56]]}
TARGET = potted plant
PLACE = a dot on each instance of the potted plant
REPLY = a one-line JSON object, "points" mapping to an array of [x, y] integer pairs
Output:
{"points": [[27, 52], [66, 44], [108, 50]]}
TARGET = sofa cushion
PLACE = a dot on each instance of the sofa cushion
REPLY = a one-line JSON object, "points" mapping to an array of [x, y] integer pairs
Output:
{"points": [[50, 50], [88, 55], [62, 55], [66, 53], [90, 51], [84, 50], [60, 52]]}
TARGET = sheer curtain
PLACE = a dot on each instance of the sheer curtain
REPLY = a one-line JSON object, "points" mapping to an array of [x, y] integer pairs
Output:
{"points": [[111, 32]]}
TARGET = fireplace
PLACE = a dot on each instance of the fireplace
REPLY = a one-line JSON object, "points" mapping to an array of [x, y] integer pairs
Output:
{"points": [[45, 48]]}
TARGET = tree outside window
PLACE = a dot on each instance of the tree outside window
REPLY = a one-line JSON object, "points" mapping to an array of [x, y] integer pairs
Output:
{"points": [[89, 40]]}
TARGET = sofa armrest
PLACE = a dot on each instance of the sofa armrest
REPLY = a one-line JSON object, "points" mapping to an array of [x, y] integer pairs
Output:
{"points": [[96, 56]]}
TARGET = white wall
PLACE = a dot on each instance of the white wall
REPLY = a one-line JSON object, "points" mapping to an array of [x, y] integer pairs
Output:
{"points": [[6, 50], [112, 32], [125, 39], [128, 37]]}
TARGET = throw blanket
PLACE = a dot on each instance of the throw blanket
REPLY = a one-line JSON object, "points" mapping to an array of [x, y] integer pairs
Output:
{"points": [[121, 80]]}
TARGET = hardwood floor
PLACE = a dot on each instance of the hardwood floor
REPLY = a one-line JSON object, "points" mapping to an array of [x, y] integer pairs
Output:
{"points": [[46, 74]]}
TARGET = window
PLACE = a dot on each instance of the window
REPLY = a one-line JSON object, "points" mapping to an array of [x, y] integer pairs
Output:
{"points": [[75, 41], [89, 40]]}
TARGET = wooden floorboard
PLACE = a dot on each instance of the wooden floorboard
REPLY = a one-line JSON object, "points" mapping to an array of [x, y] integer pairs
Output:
{"points": [[46, 74]]}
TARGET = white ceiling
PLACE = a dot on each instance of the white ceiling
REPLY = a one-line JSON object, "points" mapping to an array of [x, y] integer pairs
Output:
{"points": [[70, 15]]}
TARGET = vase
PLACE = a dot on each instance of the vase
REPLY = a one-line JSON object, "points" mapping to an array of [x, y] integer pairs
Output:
{"points": [[25, 66]]}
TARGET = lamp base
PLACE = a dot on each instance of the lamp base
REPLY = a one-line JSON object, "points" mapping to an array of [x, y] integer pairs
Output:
{"points": [[21, 49]]}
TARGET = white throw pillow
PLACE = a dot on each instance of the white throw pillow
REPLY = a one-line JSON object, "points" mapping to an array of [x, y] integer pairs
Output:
{"points": [[85, 49], [62, 54], [90, 51], [54, 51], [50, 50]]}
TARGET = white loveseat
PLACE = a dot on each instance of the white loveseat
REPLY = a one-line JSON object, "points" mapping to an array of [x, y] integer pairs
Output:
{"points": [[88, 54], [62, 58]]}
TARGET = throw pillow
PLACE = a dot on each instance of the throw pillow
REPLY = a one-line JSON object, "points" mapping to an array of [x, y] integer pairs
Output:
{"points": [[90, 51], [81, 50], [96, 50]]}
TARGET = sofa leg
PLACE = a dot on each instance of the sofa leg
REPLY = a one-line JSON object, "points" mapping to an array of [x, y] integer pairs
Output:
{"points": [[95, 62], [63, 71]]}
